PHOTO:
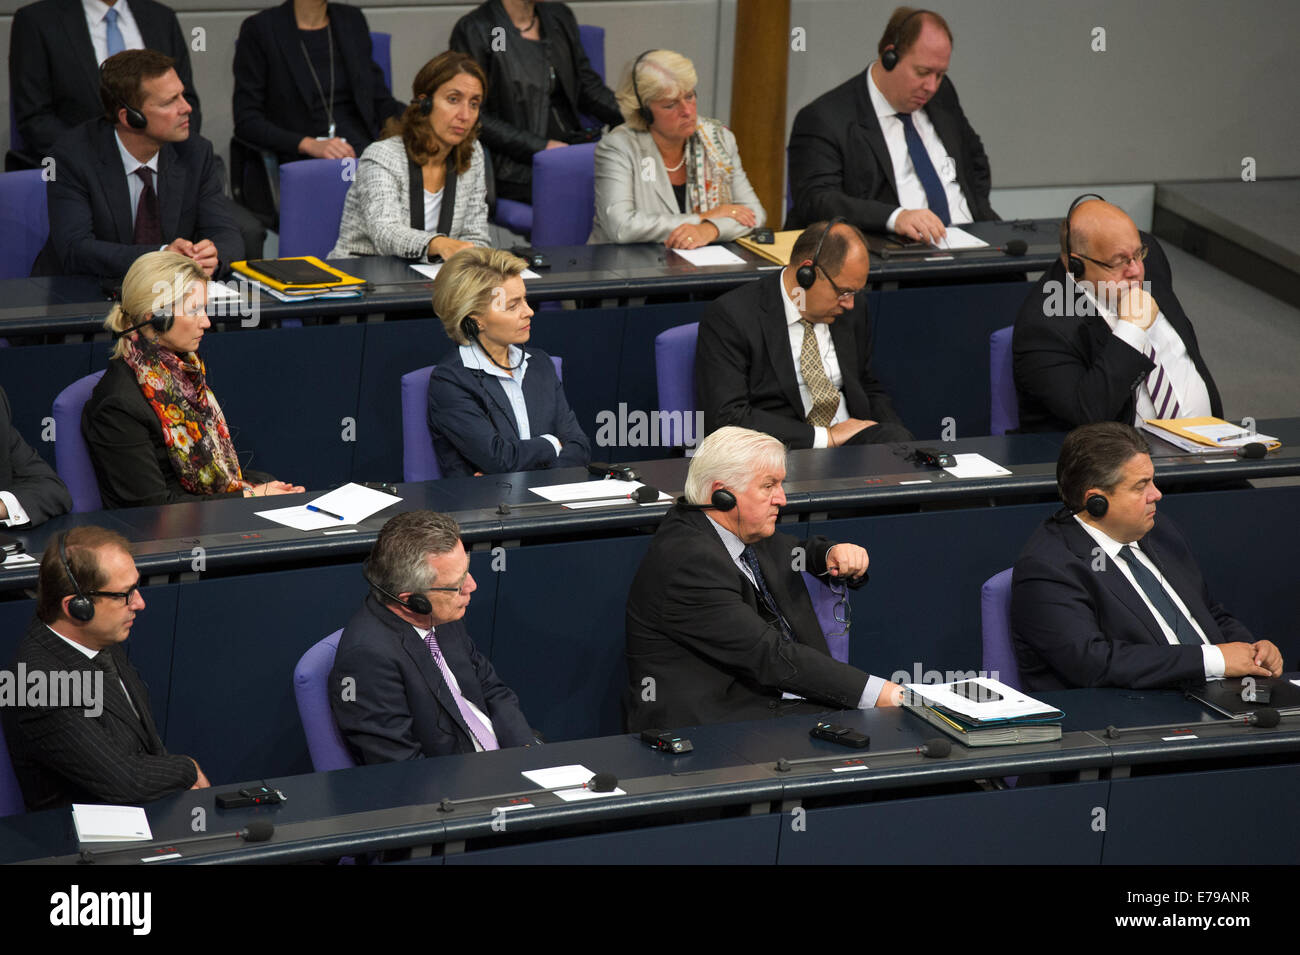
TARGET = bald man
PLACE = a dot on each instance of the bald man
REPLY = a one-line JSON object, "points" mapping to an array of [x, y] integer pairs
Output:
{"points": [[1103, 337]]}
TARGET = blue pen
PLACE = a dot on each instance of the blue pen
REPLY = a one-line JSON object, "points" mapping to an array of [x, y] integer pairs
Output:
{"points": [[321, 510]]}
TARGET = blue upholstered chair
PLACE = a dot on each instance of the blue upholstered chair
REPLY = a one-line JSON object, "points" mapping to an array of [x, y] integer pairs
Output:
{"points": [[311, 205], [675, 377], [824, 600], [995, 616], [24, 222], [71, 455], [1004, 409], [311, 690]]}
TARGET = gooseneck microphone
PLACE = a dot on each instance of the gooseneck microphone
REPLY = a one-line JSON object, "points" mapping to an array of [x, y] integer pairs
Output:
{"points": [[645, 494], [599, 783], [1265, 717], [258, 830], [935, 748]]}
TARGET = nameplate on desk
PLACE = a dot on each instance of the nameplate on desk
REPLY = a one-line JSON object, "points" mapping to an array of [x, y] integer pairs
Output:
{"points": [[1172, 739]]}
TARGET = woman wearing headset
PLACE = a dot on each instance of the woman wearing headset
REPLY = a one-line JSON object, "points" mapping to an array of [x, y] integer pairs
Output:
{"points": [[495, 406], [153, 426]]}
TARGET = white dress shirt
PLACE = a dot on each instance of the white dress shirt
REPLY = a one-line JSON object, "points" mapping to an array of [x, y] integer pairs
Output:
{"points": [[16, 513], [1171, 351], [454, 685], [432, 209], [96, 11], [1212, 655], [830, 361], [90, 654], [734, 545], [471, 356], [911, 194]]}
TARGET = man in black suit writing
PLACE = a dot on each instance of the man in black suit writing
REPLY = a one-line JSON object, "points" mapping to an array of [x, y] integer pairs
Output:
{"points": [[1103, 337], [791, 354], [1105, 595], [55, 49], [407, 680], [890, 150], [720, 625], [136, 180], [89, 750]]}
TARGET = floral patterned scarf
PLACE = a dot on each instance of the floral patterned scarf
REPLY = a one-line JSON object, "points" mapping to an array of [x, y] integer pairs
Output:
{"points": [[708, 170], [193, 427]]}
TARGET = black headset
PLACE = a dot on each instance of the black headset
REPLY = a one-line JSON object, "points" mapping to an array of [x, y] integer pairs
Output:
{"points": [[134, 118], [416, 603], [1074, 263], [80, 607], [161, 321], [720, 500], [889, 59], [642, 109], [806, 275], [1097, 505], [424, 104]]}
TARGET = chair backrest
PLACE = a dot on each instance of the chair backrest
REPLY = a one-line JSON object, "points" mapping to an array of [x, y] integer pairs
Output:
{"points": [[824, 600], [593, 44], [11, 794], [419, 461], [24, 222], [311, 205], [311, 690], [995, 618], [675, 376], [1004, 408], [381, 51], [71, 456], [564, 195]]}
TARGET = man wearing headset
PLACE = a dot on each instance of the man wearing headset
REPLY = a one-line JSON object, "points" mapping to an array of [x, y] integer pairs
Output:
{"points": [[103, 747], [136, 180], [1103, 337], [720, 625], [890, 149], [1104, 594], [407, 680], [791, 354]]}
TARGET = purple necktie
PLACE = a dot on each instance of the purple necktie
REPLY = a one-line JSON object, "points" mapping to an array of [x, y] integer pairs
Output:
{"points": [[484, 736], [148, 229], [1161, 388]]}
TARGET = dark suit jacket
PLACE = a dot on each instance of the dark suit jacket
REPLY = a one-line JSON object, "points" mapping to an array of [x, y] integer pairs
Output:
{"points": [[403, 708], [1075, 626], [53, 76], [25, 475], [474, 427], [127, 449], [91, 232], [1073, 370], [504, 116], [62, 756], [693, 626], [745, 371], [840, 166], [275, 95]]}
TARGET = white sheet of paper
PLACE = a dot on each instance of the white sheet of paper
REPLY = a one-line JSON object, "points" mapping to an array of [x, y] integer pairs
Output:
{"points": [[959, 238], [975, 466], [575, 775], [585, 489], [1013, 702], [430, 270], [578, 506], [353, 502], [1229, 435], [111, 823], [15, 561], [710, 255]]}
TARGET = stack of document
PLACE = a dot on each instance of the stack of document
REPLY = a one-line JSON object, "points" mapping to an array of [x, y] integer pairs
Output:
{"points": [[1206, 435], [983, 712]]}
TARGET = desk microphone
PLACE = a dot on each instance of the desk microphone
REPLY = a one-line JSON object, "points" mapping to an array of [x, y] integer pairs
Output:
{"points": [[1254, 449], [935, 748], [600, 783], [645, 494], [259, 830], [1265, 717]]}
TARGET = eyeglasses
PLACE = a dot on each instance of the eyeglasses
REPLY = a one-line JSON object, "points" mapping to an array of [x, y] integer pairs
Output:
{"points": [[842, 610], [458, 589], [124, 595], [1123, 263], [844, 295]]}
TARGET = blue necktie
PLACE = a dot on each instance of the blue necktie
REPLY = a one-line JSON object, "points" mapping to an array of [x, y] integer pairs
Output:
{"points": [[1160, 598], [114, 36], [751, 561], [935, 197]]}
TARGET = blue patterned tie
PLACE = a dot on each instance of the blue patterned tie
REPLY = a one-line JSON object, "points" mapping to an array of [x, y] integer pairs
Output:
{"points": [[1160, 598], [114, 36], [751, 561], [935, 197]]}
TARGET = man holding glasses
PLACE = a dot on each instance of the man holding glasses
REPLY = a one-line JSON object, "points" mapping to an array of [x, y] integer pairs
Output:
{"points": [[790, 354], [88, 735], [407, 680], [1103, 337]]}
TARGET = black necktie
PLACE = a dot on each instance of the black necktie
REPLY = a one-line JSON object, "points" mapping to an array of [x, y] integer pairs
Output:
{"points": [[935, 196], [1160, 598], [751, 561], [148, 228]]}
